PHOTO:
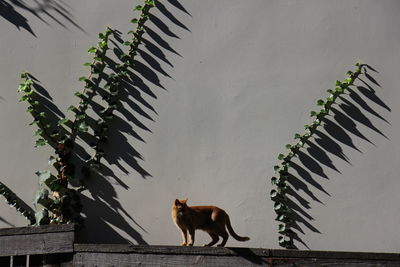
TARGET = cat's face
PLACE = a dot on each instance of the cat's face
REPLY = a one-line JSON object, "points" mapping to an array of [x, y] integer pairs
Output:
{"points": [[180, 205]]}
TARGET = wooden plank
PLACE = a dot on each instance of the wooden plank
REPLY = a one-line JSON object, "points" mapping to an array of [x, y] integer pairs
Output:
{"points": [[129, 255], [234, 251], [51, 228], [44, 243], [124, 248], [116, 259], [281, 253]]}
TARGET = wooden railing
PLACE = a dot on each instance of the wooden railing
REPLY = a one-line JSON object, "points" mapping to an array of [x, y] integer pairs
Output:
{"points": [[54, 245]]}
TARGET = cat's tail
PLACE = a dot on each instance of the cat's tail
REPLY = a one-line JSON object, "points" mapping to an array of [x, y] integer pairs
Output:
{"points": [[233, 234]]}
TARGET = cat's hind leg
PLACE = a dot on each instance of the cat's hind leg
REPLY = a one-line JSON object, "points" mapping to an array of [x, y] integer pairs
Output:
{"points": [[214, 240], [224, 234]]}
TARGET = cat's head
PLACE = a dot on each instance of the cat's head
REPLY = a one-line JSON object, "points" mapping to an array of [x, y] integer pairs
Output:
{"points": [[180, 205]]}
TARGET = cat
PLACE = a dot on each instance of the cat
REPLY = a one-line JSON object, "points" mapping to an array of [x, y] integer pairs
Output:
{"points": [[207, 218]]}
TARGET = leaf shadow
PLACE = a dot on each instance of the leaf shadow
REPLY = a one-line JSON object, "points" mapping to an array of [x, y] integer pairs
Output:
{"points": [[47, 11], [132, 123]]}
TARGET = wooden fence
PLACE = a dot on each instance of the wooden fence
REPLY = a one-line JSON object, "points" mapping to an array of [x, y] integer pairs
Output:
{"points": [[54, 245]]}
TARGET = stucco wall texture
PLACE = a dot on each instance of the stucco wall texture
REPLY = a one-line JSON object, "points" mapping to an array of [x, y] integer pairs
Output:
{"points": [[224, 86]]}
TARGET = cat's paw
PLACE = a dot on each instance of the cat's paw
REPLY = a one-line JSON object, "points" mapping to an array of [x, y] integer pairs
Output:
{"points": [[183, 244], [190, 244]]}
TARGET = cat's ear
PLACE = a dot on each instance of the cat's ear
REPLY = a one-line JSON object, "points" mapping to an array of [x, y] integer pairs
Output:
{"points": [[185, 200], [177, 202]]}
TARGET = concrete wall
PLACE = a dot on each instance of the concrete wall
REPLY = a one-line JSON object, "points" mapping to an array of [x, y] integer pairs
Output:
{"points": [[225, 85]]}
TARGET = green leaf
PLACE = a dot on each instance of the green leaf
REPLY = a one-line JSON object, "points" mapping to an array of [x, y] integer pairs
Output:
{"points": [[30, 109], [137, 8], [41, 194], [40, 142], [86, 64], [34, 122], [43, 176], [281, 228], [63, 121], [24, 75], [81, 117], [72, 108], [274, 194], [149, 3], [52, 161], [277, 168], [42, 217], [83, 78], [83, 127], [320, 102], [38, 132], [92, 49], [288, 146], [317, 122], [80, 95], [281, 156], [348, 80], [278, 206], [339, 90], [24, 98], [274, 181], [313, 113], [297, 136], [103, 44], [22, 87]]}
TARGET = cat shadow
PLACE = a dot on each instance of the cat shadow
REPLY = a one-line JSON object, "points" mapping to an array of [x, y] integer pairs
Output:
{"points": [[338, 129], [46, 11]]}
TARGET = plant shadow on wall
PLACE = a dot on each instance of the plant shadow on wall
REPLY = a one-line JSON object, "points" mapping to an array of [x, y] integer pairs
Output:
{"points": [[305, 163], [132, 122], [114, 108], [45, 10]]}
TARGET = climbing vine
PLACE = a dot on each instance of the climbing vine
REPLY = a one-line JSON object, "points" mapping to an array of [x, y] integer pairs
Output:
{"points": [[60, 201], [279, 181]]}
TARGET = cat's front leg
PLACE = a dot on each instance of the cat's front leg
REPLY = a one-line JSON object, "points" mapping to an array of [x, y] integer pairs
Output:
{"points": [[184, 237]]}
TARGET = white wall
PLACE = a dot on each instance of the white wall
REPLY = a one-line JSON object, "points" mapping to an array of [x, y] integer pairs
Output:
{"points": [[238, 80]]}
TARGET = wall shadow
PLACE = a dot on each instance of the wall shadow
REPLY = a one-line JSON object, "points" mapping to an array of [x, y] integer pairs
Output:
{"points": [[340, 129], [47, 11]]}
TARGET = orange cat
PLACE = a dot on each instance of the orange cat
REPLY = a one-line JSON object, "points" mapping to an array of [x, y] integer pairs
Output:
{"points": [[207, 218]]}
